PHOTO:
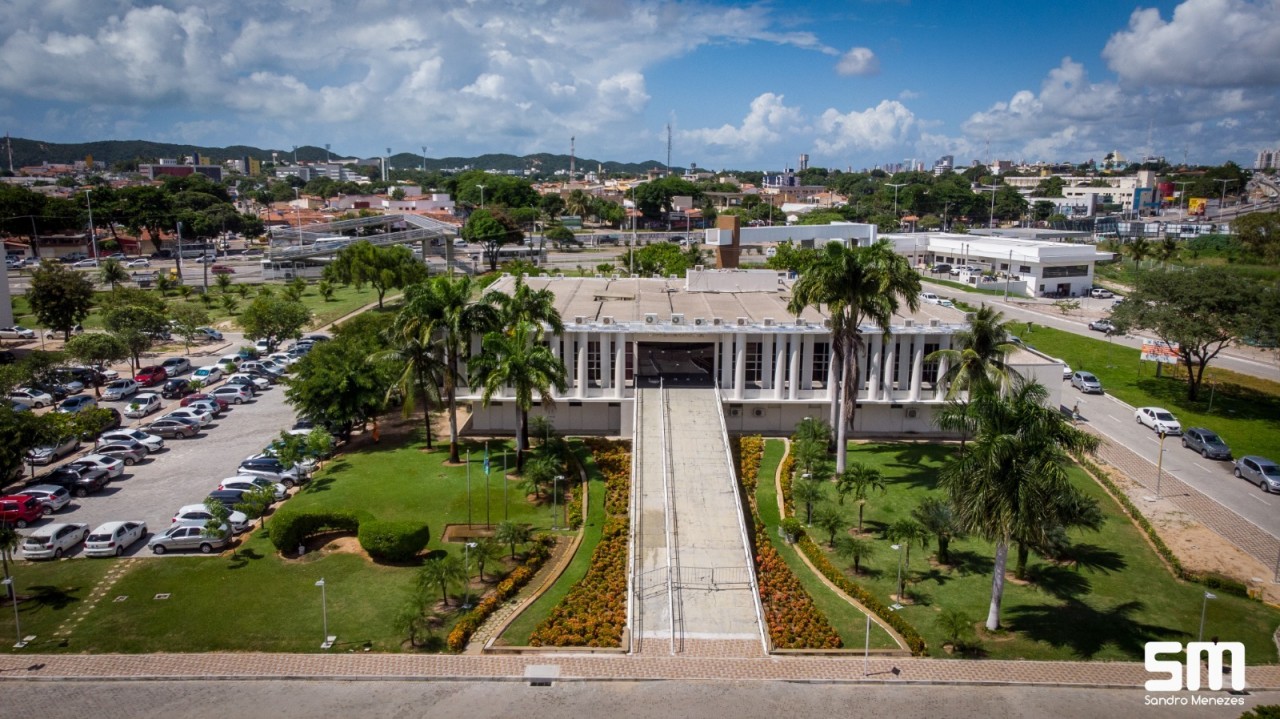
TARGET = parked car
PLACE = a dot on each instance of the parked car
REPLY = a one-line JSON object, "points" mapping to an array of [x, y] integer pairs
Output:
{"points": [[1066, 368], [234, 393], [263, 347], [153, 443], [185, 536], [79, 403], [271, 468], [172, 428], [232, 360], [1158, 419], [17, 332], [20, 510], [142, 404], [1206, 442], [53, 389], [120, 389], [258, 384], [151, 375], [50, 453], [175, 366], [53, 540], [207, 375], [316, 337], [176, 388], [1101, 293], [113, 538], [208, 333], [284, 359], [52, 498], [114, 466], [1086, 382], [207, 406], [940, 267], [222, 270], [248, 483], [78, 481], [87, 376], [202, 397], [202, 419], [228, 498], [1105, 326], [31, 397], [199, 514], [84, 264], [1259, 470], [128, 451], [70, 385], [929, 298]]}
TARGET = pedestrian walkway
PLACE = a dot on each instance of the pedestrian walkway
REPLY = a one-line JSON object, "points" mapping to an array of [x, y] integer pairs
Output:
{"points": [[561, 555]]}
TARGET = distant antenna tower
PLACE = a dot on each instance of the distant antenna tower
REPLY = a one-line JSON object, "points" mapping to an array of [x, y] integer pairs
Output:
{"points": [[424, 158], [668, 148], [327, 159], [988, 153], [9, 144], [572, 151]]}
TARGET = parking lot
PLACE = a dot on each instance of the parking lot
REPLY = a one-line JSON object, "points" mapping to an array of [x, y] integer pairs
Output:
{"points": [[184, 472]]}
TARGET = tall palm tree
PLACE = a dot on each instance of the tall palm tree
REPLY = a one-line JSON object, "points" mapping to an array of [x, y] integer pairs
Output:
{"points": [[956, 416], [517, 358], [937, 517], [977, 362], [856, 285], [1167, 250], [1003, 488], [860, 481], [449, 305], [441, 573], [525, 304], [111, 272], [512, 533], [417, 354], [1139, 249], [577, 203]]}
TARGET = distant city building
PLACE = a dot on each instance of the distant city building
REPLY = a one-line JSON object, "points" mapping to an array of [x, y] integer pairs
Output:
{"points": [[1268, 159], [307, 173], [161, 170], [944, 164]]}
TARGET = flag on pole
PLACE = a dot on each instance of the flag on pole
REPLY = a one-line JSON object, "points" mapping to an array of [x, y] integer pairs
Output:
{"points": [[486, 459]]}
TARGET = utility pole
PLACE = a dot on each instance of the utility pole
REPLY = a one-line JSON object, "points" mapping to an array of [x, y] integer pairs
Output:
{"points": [[178, 262], [93, 235], [295, 154], [668, 148], [572, 153]]}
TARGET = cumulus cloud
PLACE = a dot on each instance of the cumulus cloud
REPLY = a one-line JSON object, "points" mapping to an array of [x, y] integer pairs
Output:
{"points": [[858, 61], [766, 122], [876, 128], [1207, 43]]}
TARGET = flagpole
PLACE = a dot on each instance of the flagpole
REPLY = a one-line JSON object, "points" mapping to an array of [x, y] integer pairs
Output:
{"points": [[486, 485], [468, 487], [506, 507]]}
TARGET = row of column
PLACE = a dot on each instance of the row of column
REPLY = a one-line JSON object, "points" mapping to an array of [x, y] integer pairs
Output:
{"points": [[879, 377], [572, 349]]}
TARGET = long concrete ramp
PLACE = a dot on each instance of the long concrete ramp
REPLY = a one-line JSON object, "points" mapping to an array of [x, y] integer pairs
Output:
{"points": [[692, 578]]}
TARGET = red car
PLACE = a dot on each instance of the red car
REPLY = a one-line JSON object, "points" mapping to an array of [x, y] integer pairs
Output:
{"points": [[151, 376], [222, 270], [20, 510], [201, 395]]}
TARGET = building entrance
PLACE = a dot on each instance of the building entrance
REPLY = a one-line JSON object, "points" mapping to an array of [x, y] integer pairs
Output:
{"points": [[677, 364]]}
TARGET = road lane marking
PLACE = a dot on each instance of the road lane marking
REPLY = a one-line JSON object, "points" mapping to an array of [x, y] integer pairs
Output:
{"points": [[1114, 418], [1201, 466], [1260, 499]]}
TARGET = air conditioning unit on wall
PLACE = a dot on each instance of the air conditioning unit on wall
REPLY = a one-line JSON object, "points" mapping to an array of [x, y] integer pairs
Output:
{"points": [[912, 413], [677, 319], [768, 322], [716, 322], [757, 412], [743, 321], [650, 318], [735, 411], [699, 321], [606, 320]]}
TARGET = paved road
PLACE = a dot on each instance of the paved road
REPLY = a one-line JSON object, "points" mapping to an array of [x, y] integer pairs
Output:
{"points": [[620, 699]]}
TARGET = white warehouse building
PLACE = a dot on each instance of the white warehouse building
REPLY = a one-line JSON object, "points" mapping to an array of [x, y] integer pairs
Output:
{"points": [[731, 329]]}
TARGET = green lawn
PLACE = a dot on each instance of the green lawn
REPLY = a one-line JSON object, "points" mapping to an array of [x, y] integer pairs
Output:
{"points": [[517, 633], [56, 590], [1246, 410], [849, 621], [992, 288], [1118, 597]]}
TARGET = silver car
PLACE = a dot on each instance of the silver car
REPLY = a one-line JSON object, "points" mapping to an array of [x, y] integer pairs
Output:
{"points": [[113, 538], [125, 450], [1259, 470], [187, 536], [1207, 443], [54, 540], [51, 496], [152, 442], [1086, 382], [120, 389]]}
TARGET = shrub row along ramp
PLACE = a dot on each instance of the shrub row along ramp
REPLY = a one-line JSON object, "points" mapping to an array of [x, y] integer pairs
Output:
{"points": [[693, 584]]}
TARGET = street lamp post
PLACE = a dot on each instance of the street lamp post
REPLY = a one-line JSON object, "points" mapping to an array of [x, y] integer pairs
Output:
{"points": [[468, 487], [992, 220], [481, 195], [21, 641], [555, 484], [1204, 607], [895, 187], [1160, 465], [1008, 274], [1182, 198], [897, 604], [1222, 204], [329, 639], [93, 234], [466, 569], [178, 262]]}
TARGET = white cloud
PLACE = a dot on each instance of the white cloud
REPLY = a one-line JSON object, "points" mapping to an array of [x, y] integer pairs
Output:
{"points": [[876, 128], [859, 61], [908, 95], [1207, 43], [768, 120]]}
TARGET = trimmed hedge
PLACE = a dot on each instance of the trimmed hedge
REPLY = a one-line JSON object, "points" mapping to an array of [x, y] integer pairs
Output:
{"points": [[290, 528], [506, 589], [394, 541]]}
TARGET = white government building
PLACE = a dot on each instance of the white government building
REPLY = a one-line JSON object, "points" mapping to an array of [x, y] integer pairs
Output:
{"points": [[731, 328]]}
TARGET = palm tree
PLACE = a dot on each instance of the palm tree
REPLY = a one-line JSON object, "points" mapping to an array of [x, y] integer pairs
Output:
{"points": [[1002, 488], [937, 518], [856, 285], [1167, 250], [1139, 249], [223, 283], [511, 533], [830, 520], [811, 459], [577, 203], [807, 491], [906, 532], [812, 429], [422, 367], [111, 272], [977, 362], [956, 417], [441, 573], [164, 285], [517, 359], [1074, 510], [526, 304], [859, 480], [486, 550], [855, 550], [449, 305]]}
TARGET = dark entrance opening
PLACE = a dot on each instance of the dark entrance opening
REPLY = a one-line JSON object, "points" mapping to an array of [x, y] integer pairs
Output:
{"points": [[677, 364]]}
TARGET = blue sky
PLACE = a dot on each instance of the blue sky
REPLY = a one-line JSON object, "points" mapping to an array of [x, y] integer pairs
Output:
{"points": [[743, 85]]}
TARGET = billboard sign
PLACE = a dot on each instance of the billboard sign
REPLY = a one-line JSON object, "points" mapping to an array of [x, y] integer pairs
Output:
{"points": [[1162, 352], [1196, 205]]}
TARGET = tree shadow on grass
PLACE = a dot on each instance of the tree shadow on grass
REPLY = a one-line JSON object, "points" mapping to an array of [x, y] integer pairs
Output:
{"points": [[1059, 581], [323, 484], [936, 575], [43, 596], [242, 557], [1094, 558], [1085, 630], [966, 563]]}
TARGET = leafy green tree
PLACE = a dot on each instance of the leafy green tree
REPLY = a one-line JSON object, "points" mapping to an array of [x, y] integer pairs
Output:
{"points": [[854, 549], [1020, 456], [1050, 187], [831, 520], [559, 234], [256, 503], [273, 319], [811, 459], [97, 348], [654, 198], [443, 573], [856, 285], [491, 229], [335, 385], [136, 326], [324, 287], [218, 525], [937, 518], [381, 267], [164, 284], [1259, 232], [418, 363], [517, 360], [60, 298], [976, 363], [659, 258], [111, 272], [511, 534], [187, 318], [860, 481], [1167, 250]]}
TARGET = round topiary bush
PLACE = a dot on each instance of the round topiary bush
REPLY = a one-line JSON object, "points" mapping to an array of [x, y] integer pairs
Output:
{"points": [[291, 528], [394, 541]]}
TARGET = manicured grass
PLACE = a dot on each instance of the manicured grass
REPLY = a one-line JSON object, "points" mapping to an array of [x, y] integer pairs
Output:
{"points": [[1246, 410], [963, 286], [848, 620], [517, 633], [55, 591], [1106, 607]]}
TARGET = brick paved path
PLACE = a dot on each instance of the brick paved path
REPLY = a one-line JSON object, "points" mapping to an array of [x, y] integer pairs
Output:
{"points": [[420, 666], [1249, 537]]}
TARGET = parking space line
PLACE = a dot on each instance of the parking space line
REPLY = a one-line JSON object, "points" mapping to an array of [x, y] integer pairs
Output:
{"points": [[1260, 499], [1201, 466], [1114, 418]]}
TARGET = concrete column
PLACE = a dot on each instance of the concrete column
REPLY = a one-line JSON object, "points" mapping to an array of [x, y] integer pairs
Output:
{"points": [[582, 365], [793, 377], [739, 364], [939, 387], [726, 361], [570, 365], [873, 376], [890, 358], [766, 362], [620, 366], [606, 363], [806, 367], [917, 367], [780, 366]]}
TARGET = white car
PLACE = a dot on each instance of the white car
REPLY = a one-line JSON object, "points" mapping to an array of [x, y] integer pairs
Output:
{"points": [[259, 383], [17, 332], [929, 298], [150, 441], [1101, 293], [233, 360], [112, 538], [207, 375], [284, 359], [54, 540], [142, 405], [85, 263], [199, 514], [189, 412], [175, 366], [235, 394], [120, 389], [31, 397], [140, 262], [1158, 419], [248, 483], [114, 467]]}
